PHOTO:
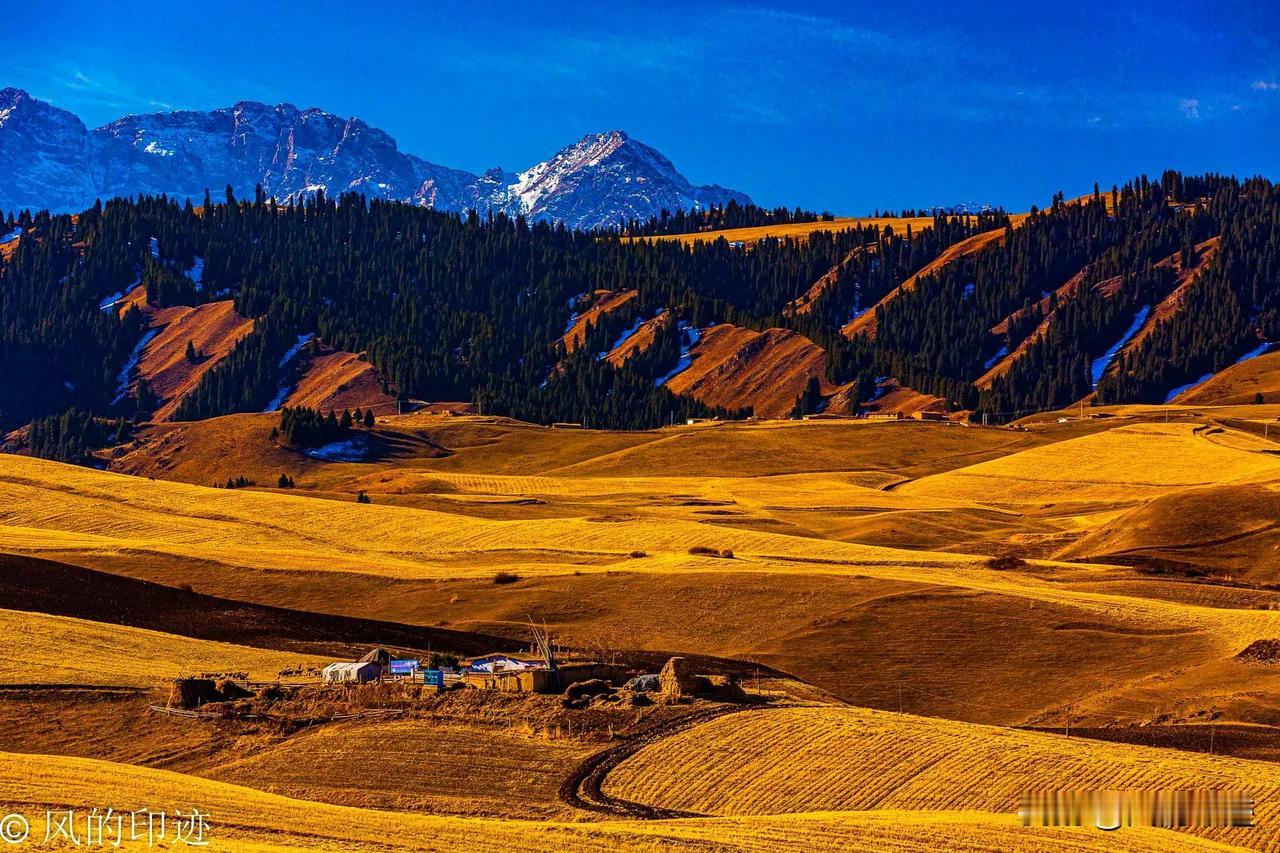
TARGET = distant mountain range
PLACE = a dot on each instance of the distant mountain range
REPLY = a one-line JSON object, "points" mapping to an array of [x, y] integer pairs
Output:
{"points": [[49, 159]]}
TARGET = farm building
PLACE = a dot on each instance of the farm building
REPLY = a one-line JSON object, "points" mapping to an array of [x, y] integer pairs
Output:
{"points": [[929, 416], [359, 672], [504, 662], [885, 416], [543, 680]]}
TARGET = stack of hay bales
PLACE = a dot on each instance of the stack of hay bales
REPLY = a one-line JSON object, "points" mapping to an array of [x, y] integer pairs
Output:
{"points": [[193, 692], [678, 679]]}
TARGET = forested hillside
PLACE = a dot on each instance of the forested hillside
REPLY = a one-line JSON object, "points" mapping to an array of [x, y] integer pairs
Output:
{"points": [[464, 307]]}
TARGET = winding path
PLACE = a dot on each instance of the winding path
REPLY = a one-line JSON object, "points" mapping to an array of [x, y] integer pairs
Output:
{"points": [[583, 789]]}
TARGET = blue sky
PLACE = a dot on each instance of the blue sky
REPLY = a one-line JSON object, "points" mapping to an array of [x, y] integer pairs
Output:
{"points": [[840, 106]]}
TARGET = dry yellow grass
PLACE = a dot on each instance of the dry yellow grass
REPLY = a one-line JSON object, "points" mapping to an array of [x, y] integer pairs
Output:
{"points": [[241, 819], [834, 578], [65, 511], [436, 567], [58, 650], [1238, 384], [213, 329], [339, 380], [59, 509], [799, 229], [419, 765], [1122, 464], [837, 562], [844, 759]]}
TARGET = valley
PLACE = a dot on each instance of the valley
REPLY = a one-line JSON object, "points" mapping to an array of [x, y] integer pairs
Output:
{"points": [[909, 590]]}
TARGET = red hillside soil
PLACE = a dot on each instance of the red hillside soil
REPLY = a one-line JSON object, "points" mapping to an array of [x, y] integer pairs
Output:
{"points": [[136, 297], [1166, 308], [602, 302], [907, 401], [893, 398], [735, 367], [640, 341], [213, 328], [334, 379], [804, 304], [1172, 304], [865, 323], [1107, 288]]}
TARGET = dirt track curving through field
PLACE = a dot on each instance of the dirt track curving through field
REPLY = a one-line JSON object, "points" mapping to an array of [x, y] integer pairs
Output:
{"points": [[584, 787]]}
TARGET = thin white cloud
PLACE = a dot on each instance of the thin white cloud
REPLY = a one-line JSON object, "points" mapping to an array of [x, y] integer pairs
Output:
{"points": [[1266, 86], [1190, 107]]}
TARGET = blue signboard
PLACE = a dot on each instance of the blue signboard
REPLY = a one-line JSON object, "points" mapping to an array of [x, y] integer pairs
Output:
{"points": [[433, 678], [404, 667]]}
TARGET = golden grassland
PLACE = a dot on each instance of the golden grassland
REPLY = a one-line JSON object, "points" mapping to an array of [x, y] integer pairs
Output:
{"points": [[844, 533], [756, 233], [859, 562], [798, 229], [845, 759], [58, 650], [1238, 384], [244, 819], [415, 765], [1125, 463]]}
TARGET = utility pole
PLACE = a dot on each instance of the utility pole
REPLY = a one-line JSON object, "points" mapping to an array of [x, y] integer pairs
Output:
{"points": [[1068, 721]]}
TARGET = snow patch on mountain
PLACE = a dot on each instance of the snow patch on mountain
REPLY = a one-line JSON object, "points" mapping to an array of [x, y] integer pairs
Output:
{"points": [[689, 337], [350, 450], [282, 393], [1181, 388], [622, 338], [116, 298], [122, 378], [1261, 349], [1101, 363], [1000, 353]]}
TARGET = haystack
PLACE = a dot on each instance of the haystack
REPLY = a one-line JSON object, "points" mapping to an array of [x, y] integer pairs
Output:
{"points": [[193, 692], [678, 678], [591, 687], [231, 691]]}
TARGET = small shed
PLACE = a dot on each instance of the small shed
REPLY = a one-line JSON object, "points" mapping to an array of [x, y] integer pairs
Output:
{"points": [[360, 672]]}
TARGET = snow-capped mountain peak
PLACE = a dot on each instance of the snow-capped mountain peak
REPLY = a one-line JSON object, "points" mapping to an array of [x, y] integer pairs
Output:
{"points": [[49, 159], [607, 177]]}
